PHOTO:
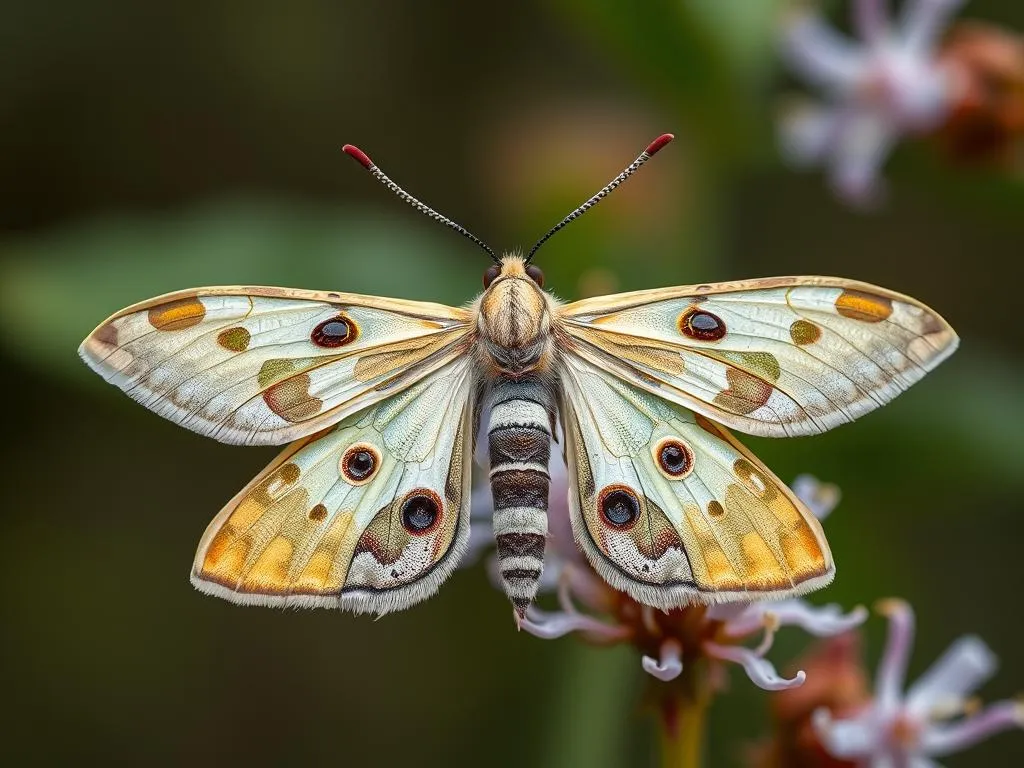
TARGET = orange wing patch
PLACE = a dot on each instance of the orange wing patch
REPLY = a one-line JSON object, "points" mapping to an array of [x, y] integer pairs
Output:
{"points": [[863, 306], [177, 315]]}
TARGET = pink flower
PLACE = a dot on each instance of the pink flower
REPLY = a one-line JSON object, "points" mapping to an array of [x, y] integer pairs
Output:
{"points": [[934, 717], [600, 614], [890, 83]]}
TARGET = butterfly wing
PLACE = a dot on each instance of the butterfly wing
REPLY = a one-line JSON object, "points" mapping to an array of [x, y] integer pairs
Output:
{"points": [[775, 357], [261, 366], [370, 515], [670, 509]]}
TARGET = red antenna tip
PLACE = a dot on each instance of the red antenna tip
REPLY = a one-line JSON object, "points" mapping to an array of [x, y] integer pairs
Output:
{"points": [[652, 148], [361, 157]]}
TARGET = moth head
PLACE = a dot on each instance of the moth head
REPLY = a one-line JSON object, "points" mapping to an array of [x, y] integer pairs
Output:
{"points": [[514, 321]]}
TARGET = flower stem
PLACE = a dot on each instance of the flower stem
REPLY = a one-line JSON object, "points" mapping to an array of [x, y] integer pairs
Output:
{"points": [[683, 707]]}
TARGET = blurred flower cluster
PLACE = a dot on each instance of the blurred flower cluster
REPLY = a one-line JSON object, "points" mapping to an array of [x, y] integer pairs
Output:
{"points": [[825, 714], [901, 77]]}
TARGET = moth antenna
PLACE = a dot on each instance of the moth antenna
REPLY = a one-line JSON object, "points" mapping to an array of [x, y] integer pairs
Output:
{"points": [[364, 160], [647, 154]]}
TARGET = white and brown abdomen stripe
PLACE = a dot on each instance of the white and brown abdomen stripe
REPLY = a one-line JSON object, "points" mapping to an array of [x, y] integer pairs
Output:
{"points": [[522, 413]]}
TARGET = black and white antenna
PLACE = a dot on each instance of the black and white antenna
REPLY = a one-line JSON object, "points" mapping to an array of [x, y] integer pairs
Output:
{"points": [[647, 154], [364, 160]]}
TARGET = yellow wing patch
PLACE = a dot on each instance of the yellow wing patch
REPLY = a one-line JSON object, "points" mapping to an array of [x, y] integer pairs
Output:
{"points": [[670, 508], [360, 516], [776, 357], [270, 365]]}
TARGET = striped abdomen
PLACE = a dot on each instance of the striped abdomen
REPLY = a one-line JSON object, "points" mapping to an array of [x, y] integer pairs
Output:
{"points": [[519, 437]]}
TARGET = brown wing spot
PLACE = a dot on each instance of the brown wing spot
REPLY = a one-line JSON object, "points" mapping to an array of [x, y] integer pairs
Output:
{"points": [[318, 513], [336, 332], [701, 325], [746, 392], [234, 339], [804, 332], [177, 315], [754, 480], [291, 400], [655, 536], [715, 508], [866, 307], [106, 335]]}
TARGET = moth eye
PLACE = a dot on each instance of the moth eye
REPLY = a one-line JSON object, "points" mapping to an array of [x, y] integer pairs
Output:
{"points": [[359, 463], [675, 458], [420, 511], [491, 275], [336, 332], [620, 507], [536, 275], [702, 325]]}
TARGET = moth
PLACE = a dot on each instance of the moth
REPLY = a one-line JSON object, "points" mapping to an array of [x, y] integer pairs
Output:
{"points": [[380, 400]]}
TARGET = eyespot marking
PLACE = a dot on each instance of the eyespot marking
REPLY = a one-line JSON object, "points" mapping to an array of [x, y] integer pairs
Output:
{"points": [[620, 507], [336, 332], [701, 325], [234, 339], [421, 511], [674, 458], [359, 464], [866, 307]]}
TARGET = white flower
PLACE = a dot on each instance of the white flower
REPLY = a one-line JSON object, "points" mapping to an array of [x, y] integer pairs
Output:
{"points": [[886, 85], [936, 715], [717, 632]]}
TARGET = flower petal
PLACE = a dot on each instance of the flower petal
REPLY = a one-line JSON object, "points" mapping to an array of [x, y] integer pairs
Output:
{"points": [[819, 53], [821, 498], [758, 669], [862, 145], [806, 132], [871, 20], [943, 740], [669, 666], [550, 625], [820, 621], [856, 737], [962, 669], [922, 21], [892, 669]]}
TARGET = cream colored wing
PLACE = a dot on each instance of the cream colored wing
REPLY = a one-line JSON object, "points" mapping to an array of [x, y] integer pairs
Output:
{"points": [[776, 357], [371, 515], [260, 366], [670, 509]]}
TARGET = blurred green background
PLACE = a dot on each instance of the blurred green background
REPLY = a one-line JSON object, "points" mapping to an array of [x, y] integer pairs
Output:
{"points": [[148, 147]]}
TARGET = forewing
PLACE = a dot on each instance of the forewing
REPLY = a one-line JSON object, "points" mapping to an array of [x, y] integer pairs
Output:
{"points": [[315, 529], [775, 357], [261, 366], [707, 523]]}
